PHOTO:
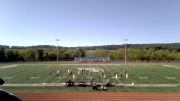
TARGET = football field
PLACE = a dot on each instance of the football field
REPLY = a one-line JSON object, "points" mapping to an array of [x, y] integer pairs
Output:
{"points": [[137, 75]]}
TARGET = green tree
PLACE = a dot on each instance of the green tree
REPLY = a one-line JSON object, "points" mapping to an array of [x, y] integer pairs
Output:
{"points": [[39, 55], [82, 53], [52, 55], [12, 55], [2, 55], [29, 55]]}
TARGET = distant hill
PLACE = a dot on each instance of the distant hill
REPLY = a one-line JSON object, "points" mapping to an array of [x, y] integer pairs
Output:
{"points": [[113, 47], [4, 46], [106, 47]]}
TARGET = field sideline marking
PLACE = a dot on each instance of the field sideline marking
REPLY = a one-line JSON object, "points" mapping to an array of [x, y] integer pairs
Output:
{"points": [[63, 85]]}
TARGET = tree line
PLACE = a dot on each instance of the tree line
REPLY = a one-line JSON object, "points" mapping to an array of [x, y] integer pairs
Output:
{"points": [[9, 55], [164, 46], [139, 52]]}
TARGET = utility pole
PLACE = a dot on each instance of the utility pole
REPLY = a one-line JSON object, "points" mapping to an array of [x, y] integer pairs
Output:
{"points": [[57, 50], [125, 53]]}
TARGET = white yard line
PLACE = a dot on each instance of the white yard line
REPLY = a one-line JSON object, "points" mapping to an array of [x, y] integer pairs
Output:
{"points": [[8, 66], [170, 77], [8, 77], [34, 77], [143, 77], [172, 66]]}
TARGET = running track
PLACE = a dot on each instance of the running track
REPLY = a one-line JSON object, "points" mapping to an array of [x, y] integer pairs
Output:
{"points": [[99, 96]]}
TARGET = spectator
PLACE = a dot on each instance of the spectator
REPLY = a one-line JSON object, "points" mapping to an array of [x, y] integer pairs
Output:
{"points": [[4, 96]]}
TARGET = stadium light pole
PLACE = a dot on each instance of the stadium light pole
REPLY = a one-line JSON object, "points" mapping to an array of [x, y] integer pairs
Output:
{"points": [[125, 53], [57, 49]]}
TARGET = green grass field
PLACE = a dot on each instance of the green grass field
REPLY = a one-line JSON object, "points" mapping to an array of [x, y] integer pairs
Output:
{"points": [[137, 73]]}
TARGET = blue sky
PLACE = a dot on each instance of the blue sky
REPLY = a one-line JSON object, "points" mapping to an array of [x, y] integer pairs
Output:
{"points": [[88, 22]]}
